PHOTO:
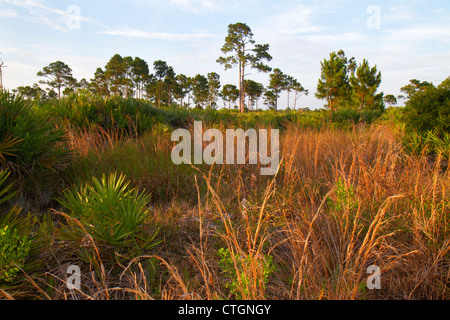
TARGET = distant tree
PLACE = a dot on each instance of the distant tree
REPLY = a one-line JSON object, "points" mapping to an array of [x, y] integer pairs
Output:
{"points": [[277, 83], [254, 91], [365, 83], [183, 87], [270, 99], [390, 100], [170, 83], [200, 90], [161, 70], [230, 93], [140, 75], [51, 94], [99, 85], [445, 84], [415, 86], [244, 53], [190, 90], [298, 89], [70, 89], [128, 82], [83, 84], [214, 86], [76, 86], [35, 92], [289, 80], [334, 83], [152, 88], [58, 74], [115, 74]]}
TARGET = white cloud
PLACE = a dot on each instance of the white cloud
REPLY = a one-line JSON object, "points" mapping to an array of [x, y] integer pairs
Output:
{"points": [[202, 7], [39, 13], [297, 20], [198, 6], [8, 13], [422, 32], [138, 33], [400, 13]]}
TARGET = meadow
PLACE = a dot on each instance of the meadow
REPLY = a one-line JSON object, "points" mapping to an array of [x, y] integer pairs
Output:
{"points": [[89, 182]]}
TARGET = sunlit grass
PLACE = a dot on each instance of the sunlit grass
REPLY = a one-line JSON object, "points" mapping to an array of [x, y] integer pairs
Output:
{"points": [[341, 201]]}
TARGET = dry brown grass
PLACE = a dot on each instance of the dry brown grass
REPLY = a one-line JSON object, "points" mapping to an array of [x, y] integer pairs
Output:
{"points": [[397, 219]]}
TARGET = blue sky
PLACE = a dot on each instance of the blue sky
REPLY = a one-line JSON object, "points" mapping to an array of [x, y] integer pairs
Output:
{"points": [[404, 39]]}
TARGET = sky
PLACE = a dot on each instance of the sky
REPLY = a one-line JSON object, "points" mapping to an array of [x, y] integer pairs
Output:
{"points": [[404, 39]]}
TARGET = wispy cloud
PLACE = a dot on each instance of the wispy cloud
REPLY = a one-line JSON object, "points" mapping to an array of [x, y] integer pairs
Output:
{"points": [[400, 13], [422, 32], [39, 13], [138, 33], [8, 13], [198, 6], [297, 20]]}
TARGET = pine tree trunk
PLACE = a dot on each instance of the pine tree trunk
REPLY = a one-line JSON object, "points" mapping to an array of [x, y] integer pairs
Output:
{"points": [[295, 101], [241, 88], [288, 99]]}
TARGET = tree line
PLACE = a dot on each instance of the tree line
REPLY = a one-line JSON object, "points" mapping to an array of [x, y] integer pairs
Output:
{"points": [[132, 77], [342, 84]]}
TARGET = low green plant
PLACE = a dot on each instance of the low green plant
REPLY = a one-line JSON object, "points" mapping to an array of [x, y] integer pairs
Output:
{"points": [[429, 142], [14, 250], [14, 245], [346, 116], [344, 199], [237, 268], [111, 212]]}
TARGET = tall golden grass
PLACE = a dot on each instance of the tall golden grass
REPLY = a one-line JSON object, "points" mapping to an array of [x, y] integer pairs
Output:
{"points": [[395, 215]]}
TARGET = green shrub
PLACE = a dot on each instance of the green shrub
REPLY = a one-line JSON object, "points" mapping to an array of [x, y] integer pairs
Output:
{"points": [[345, 198], [394, 116], [429, 142], [112, 213], [427, 121], [237, 268], [428, 110], [28, 141], [127, 115], [352, 116], [14, 249], [17, 241]]}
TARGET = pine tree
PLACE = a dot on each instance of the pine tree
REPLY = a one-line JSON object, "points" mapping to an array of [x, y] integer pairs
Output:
{"points": [[334, 84], [214, 86], [277, 83], [365, 83], [59, 76], [244, 53]]}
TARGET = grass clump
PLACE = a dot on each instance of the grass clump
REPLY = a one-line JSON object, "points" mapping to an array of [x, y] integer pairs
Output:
{"points": [[110, 212]]}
